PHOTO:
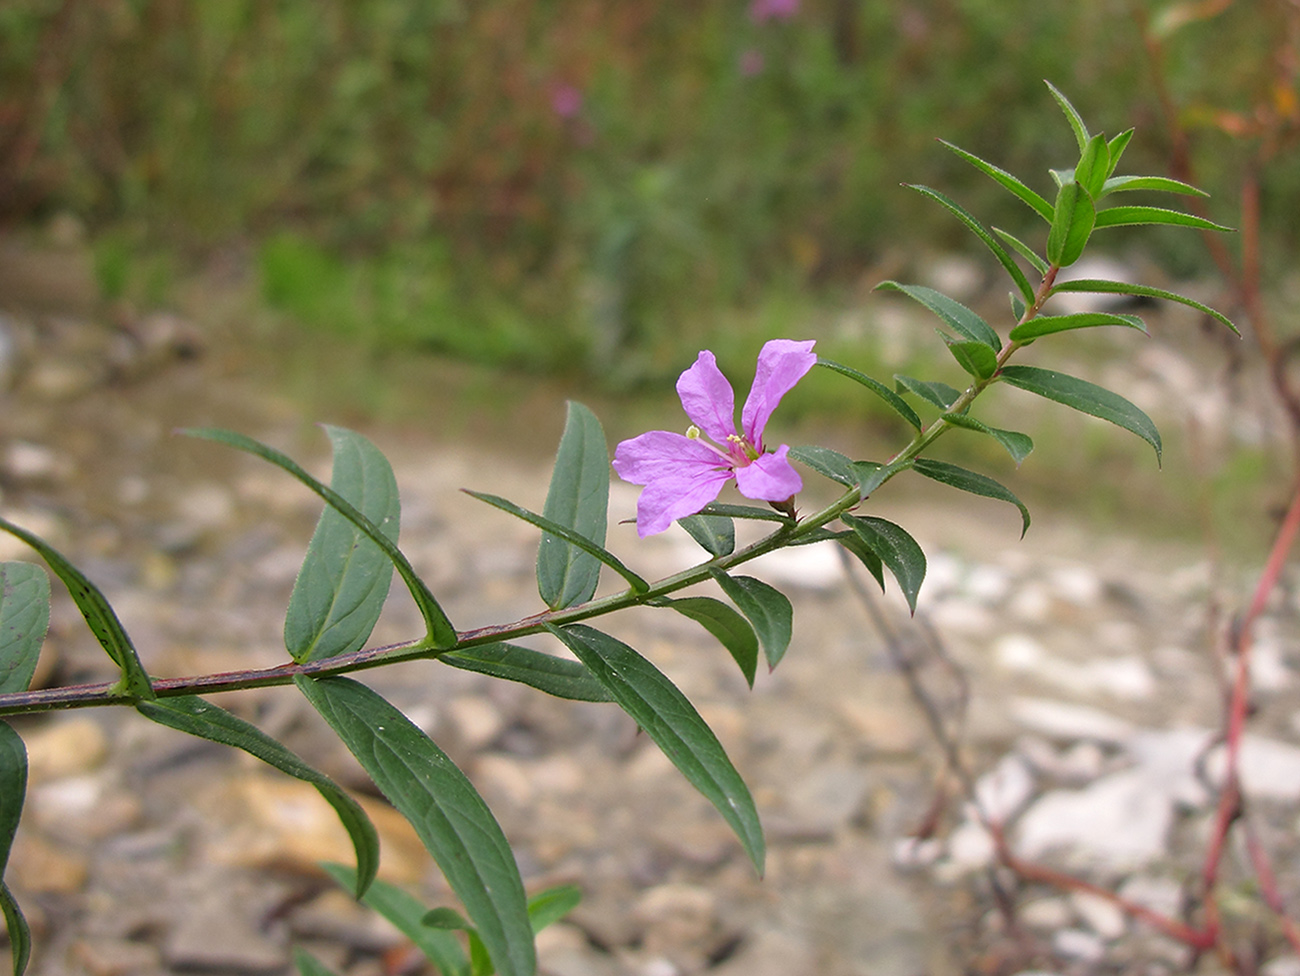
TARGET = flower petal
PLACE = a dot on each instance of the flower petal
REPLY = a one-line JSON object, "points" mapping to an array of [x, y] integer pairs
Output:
{"points": [[770, 479], [707, 398], [665, 500], [781, 364], [662, 454]]}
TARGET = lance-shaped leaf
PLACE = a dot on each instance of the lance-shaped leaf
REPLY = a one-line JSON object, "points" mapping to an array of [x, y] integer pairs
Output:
{"points": [[13, 791], [825, 461], [98, 613], [407, 914], [989, 241], [344, 579], [24, 620], [1094, 166], [1159, 184], [872, 474], [578, 499], [554, 675], [745, 512], [1018, 445], [1099, 286], [852, 542], [1033, 200], [1140, 216], [1085, 397], [716, 533], [1115, 149], [444, 808], [974, 357], [565, 533], [440, 632], [193, 715], [1025, 251], [1047, 324], [674, 725], [895, 548], [960, 318], [731, 629], [549, 906], [1071, 226], [892, 399], [767, 608], [971, 481], [941, 395], [1072, 115]]}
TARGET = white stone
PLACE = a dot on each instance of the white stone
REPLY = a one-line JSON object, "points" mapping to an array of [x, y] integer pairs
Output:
{"points": [[1116, 823], [970, 848], [1168, 758], [1032, 603], [1161, 895], [1102, 915], [809, 567], [1063, 720], [1078, 944], [1002, 793], [1281, 966], [1019, 652], [1077, 584], [1045, 913], [988, 584]]}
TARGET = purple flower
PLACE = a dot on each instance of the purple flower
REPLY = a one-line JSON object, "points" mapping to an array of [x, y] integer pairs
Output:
{"points": [[566, 101], [683, 473], [765, 10]]}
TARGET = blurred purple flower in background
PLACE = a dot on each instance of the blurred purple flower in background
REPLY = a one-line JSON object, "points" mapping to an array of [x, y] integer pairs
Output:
{"points": [[566, 101], [682, 473], [761, 11]]}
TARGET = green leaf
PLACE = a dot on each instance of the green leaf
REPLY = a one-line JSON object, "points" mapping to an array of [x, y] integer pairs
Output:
{"points": [[444, 808], [344, 579], [565, 533], [767, 608], [1140, 216], [823, 460], [854, 544], [971, 481], [20, 935], [941, 395], [98, 613], [1072, 115], [895, 548], [1085, 397], [974, 357], [1017, 306], [578, 499], [309, 965], [999, 252], [745, 512], [1072, 225], [1161, 184], [1094, 166], [24, 620], [440, 632], [731, 629], [716, 533], [194, 716], [1025, 251], [549, 906], [13, 790], [556, 676], [1049, 324], [407, 914], [1115, 149], [871, 474], [892, 399], [666, 715], [447, 919], [1098, 286], [1034, 201], [960, 318], [1018, 445]]}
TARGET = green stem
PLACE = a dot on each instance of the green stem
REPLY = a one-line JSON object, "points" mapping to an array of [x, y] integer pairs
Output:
{"points": [[106, 693]]}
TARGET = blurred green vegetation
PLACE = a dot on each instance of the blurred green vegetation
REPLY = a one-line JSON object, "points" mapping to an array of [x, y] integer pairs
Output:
{"points": [[591, 185]]}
